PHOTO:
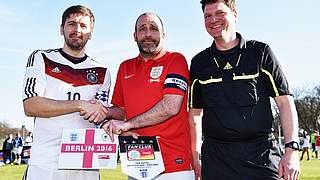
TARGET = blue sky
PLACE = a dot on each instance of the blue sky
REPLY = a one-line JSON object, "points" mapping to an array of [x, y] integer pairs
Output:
{"points": [[291, 28]]}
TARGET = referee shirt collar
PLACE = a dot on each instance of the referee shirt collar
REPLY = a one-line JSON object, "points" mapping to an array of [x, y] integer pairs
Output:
{"points": [[242, 44]]}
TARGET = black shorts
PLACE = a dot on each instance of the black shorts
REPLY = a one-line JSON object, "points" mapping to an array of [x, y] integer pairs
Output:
{"points": [[313, 145], [240, 160]]}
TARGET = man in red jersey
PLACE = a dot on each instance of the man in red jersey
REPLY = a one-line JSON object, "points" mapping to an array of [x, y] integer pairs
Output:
{"points": [[151, 95]]}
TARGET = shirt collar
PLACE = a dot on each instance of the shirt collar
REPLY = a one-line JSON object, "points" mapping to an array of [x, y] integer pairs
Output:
{"points": [[74, 60], [158, 59], [242, 44]]}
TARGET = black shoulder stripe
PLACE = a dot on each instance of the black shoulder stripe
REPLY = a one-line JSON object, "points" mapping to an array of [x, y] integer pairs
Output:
{"points": [[29, 89], [26, 89], [31, 59], [33, 87], [51, 50]]}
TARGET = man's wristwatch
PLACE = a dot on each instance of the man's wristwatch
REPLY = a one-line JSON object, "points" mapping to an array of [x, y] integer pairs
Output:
{"points": [[293, 145]]}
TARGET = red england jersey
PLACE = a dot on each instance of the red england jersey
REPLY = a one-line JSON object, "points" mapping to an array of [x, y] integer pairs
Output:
{"points": [[142, 84], [317, 140]]}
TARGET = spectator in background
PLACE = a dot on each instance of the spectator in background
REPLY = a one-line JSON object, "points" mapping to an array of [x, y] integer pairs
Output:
{"points": [[313, 144], [28, 140], [18, 145], [317, 142], [7, 147], [305, 145]]}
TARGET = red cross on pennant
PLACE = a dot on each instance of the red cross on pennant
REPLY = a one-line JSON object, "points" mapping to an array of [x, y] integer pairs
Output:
{"points": [[88, 148]]}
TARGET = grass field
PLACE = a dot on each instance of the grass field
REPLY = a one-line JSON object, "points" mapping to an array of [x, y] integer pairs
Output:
{"points": [[310, 170], [15, 172]]}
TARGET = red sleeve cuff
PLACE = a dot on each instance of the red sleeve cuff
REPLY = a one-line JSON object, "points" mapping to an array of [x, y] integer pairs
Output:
{"points": [[173, 91]]}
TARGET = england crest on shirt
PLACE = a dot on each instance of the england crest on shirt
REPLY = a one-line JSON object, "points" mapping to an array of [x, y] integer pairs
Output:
{"points": [[156, 72]]}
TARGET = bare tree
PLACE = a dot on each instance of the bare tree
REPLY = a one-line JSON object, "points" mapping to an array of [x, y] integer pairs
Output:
{"points": [[308, 106], [5, 129]]}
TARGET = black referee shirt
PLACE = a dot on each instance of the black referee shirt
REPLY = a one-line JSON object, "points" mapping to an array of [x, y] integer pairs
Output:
{"points": [[234, 91]]}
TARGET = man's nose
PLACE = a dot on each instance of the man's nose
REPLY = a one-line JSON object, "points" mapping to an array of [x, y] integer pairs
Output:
{"points": [[148, 33], [77, 28], [213, 19]]}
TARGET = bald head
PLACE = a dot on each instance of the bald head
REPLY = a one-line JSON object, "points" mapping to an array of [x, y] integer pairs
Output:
{"points": [[148, 14], [149, 35]]}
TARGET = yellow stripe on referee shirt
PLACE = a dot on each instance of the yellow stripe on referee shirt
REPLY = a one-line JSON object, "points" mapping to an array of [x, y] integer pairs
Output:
{"points": [[191, 93], [272, 81]]}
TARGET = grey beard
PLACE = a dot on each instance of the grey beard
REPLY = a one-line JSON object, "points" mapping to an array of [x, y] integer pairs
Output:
{"points": [[149, 53]]}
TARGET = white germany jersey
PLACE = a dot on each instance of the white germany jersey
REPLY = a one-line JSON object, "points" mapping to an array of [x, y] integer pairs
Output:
{"points": [[55, 75]]}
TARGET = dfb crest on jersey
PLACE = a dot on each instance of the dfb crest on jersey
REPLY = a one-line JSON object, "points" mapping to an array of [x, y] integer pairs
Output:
{"points": [[156, 72], [92, 76]]}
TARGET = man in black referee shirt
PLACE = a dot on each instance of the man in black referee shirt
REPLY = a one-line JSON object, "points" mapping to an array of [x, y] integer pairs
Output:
{"points": [[231, 84]]}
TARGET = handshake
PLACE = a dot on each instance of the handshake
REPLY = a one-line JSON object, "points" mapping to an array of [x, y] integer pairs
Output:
{"points": [[95, 112]]}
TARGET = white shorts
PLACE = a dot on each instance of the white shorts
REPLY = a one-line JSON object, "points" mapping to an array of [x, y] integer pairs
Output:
{"points": [[185, 175], [17, 150], [20, 150], [44, 173]]}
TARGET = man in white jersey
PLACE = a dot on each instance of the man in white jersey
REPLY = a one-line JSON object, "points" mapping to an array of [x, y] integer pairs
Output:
{"points": [[60, 85]]}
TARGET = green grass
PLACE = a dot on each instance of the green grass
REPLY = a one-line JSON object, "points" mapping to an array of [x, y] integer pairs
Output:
{"points": [[310, 170], [15, 172]]}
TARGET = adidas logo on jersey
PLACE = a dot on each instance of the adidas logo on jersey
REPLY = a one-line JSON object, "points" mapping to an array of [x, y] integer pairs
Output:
{"points": [[228, 66], [56, 70]]}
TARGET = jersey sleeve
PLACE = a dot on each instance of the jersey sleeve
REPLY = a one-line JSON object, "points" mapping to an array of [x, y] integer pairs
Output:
{"points": [[177, 78], [103, 93], [195, 97], [277, 82], [34, 82], [117, 97]]}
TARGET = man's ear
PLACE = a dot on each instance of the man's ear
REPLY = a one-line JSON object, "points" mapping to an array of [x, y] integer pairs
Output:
{"points": [[91, 31], [235, 13], [163, 35], [135, 36], [61, 30]]}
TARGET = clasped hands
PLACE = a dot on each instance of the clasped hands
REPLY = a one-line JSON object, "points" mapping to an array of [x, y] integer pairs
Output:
{"points": [[93, 111], [96, 113]]}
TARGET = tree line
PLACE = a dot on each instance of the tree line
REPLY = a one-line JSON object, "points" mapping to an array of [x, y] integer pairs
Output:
{"points": [[6, 129], [308, 107], [307, 101]]}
